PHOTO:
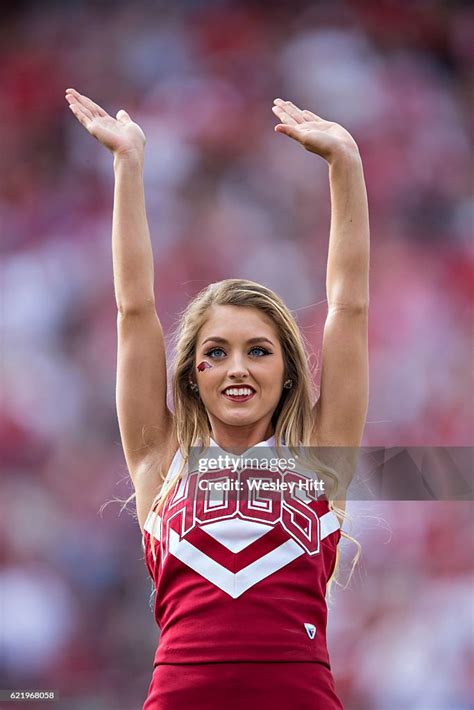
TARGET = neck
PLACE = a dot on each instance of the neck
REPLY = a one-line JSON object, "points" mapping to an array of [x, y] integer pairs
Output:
{"points": [[236, 439]]}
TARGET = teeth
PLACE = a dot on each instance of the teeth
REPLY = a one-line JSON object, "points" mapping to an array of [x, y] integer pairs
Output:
{"points": [[234, 391]]}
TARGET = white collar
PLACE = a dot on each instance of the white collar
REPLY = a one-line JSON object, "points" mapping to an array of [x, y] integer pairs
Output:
{"points": [[267, 442]]}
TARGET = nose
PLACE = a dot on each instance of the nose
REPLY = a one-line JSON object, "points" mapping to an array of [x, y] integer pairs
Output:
{"points": [[237, 368]]}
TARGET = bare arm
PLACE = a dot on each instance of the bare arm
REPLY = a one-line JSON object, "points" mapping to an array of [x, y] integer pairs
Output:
{"points": [[144, 419], [341, 410], [340, 413], [131, 245]]}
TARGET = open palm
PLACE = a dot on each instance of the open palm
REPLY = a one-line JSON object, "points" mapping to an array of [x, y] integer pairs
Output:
{"points": [[120, 135], [325, 138]]}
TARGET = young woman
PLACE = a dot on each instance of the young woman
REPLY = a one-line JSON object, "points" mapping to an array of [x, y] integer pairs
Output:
{"points": [[240, 587]]}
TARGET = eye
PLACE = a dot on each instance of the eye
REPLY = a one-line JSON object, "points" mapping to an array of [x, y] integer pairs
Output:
{"points": [[212, 353], [260, 351]]}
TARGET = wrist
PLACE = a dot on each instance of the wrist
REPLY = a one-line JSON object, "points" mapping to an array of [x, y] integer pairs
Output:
{"points": [[132, 157], [347, 154]]}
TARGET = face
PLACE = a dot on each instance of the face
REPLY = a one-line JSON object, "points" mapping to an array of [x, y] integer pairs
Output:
{"points": [[239, 367]]}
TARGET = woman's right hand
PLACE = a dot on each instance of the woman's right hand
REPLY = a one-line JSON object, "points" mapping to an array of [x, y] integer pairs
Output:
{"points": [[120, 135]]}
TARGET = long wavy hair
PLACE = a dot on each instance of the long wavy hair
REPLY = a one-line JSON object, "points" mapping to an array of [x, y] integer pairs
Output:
{"points": [[292, 419]]}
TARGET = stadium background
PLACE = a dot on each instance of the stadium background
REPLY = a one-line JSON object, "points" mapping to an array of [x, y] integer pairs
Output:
{"points": [[228, 197]]}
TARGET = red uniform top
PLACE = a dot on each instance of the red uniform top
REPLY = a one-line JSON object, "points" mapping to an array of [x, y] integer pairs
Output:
{"points": [[241, 576]]}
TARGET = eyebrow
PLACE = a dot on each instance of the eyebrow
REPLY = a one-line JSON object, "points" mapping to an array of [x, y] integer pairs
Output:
{"points": [[216, 339]]}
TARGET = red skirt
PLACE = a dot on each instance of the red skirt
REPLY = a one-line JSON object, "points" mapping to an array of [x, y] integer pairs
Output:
{"points": [[233, 686]]}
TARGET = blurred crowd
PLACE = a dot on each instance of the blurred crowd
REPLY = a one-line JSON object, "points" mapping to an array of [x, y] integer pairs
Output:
{"points": [[227, 197]]}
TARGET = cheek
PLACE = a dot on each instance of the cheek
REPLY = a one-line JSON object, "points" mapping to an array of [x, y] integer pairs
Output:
{"points": [[272, 380], [277, 371], [207, 377], [203, 366]]}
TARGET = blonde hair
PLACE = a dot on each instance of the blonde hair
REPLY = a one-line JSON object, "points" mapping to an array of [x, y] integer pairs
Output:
{"points": [[292, 419]]}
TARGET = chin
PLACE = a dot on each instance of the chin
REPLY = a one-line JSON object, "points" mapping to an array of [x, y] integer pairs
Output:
{"points": [[236, 418], [239, 420]]}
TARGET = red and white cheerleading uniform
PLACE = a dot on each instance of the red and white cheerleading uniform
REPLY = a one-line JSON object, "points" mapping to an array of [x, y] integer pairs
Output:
{"points": [[240, 594]]}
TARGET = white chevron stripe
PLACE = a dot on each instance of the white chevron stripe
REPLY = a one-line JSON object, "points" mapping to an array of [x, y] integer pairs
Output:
{"points": [[232, 583], [328, 523], [237, 583], [236, 534]]}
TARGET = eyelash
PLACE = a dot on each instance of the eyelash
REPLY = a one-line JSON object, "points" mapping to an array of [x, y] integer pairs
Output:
{"points": [[256, 347]]}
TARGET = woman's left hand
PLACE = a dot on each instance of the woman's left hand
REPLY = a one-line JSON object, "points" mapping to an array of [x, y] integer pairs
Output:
{"points": [[325, 138]]}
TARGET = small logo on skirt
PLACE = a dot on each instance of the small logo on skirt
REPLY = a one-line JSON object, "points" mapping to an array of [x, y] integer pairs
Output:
{"points": [[310, 630]]}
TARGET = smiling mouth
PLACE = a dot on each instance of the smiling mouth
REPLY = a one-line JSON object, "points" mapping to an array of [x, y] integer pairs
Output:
{"points": [[238, 394]]}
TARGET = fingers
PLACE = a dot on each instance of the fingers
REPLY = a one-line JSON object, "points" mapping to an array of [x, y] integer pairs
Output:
{"points": [[123, 116], [84, 101], [289, 109], [286, 110], [290, 131], [283, 116], [74, 96], [83, 115], [78, 106], [310, 116]]}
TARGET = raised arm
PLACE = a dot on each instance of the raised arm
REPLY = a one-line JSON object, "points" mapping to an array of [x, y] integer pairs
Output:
{"points": [[144, 419], [340, 413]]}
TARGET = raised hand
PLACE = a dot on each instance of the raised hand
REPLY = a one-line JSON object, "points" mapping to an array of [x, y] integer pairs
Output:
{"points": [[120, 135], [325, 138]]}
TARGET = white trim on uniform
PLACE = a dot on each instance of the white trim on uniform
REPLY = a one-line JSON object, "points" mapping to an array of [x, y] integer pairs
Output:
{"points": [[236, 583], [153, 525]]}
